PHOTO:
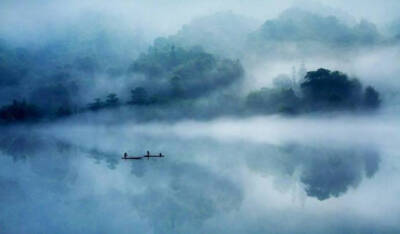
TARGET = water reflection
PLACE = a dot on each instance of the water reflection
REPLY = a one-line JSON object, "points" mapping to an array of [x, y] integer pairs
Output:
{"points": [[200, 182]]}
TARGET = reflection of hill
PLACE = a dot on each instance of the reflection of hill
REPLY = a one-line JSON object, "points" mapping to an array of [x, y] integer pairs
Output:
{"points": [[325, 171]]}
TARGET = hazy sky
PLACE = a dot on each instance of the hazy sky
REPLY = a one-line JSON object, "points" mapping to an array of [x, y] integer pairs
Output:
{"points": [[167, 16]]}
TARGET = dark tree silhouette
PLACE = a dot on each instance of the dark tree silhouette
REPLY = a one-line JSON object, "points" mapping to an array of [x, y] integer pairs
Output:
{"points": [[139, 96], [187, 73], [322, 90], [371, 98], [63, 111], [96, 105], [19, 111], [176, 87], [52, 96], [325, 89], [112, 100]]}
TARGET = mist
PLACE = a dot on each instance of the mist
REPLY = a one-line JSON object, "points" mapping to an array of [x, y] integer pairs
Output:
{"points": [[274, 117]]}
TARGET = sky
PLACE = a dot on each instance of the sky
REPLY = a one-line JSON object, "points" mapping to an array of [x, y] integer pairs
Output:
{"points": [[166, 17]]}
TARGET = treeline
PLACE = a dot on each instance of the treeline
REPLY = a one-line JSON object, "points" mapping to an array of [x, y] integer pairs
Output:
{"points": [[320, 90], [59, 71], [53, 80], [171, 74], [139, 96], [26, 112], [174, 72]]}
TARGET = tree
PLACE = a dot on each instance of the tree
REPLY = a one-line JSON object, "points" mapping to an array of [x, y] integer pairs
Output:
{"points": [[63, 111], [326, 89], [96, 105], [371, 98], [19, 111], [112, 100], [268, 100], [178, 72], [176, 87], [139, 96]]}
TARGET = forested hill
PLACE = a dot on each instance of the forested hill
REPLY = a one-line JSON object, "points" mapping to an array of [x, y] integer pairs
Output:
{"points": [[101, 69]]}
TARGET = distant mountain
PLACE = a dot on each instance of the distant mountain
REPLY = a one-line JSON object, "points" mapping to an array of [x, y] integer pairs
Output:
{"points": [[223, 33], [393, 30], [70, 57], [325, 11], [302, 31], [177, 72]]}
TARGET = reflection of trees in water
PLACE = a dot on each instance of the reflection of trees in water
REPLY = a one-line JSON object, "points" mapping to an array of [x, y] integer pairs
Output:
{"points": [[10, 190], [22, 144], [326, 171], [45, 156], [337, 170], [178, 196], [189, 195], [110, 158]]}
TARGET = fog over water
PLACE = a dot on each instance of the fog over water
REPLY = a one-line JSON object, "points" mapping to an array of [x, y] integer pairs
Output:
{"points": [[227, 168], [227, 175]]}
